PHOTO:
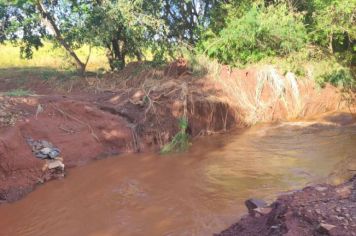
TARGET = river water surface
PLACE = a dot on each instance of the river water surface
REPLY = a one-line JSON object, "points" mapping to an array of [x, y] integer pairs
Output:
{"points": [[200, 192]]}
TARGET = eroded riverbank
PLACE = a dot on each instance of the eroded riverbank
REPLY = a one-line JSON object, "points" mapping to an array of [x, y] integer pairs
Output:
{"points": [[200, 192], [92, 118]]}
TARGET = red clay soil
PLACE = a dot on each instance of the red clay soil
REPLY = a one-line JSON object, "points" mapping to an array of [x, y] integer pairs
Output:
{"points": [[133, 113], [81, 131], [319, 210], [91, 127]]}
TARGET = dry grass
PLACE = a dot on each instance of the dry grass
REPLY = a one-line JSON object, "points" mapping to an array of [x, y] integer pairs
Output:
{"points": [[256, 108], [201, 65]]}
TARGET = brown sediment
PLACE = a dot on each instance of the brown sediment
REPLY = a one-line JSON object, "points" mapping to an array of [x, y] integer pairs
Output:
{"points": [[138, 113], [315, 210]]}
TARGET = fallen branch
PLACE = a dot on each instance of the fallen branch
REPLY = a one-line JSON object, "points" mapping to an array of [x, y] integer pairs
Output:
{"points": [[69, 131], [77, 120]]}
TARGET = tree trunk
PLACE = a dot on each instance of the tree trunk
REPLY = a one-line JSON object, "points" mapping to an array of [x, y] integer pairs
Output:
{"points": [[59, 37], [331, 48]]}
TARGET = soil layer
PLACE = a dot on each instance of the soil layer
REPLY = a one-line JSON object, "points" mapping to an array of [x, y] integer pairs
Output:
{"points": [[318, 210]]}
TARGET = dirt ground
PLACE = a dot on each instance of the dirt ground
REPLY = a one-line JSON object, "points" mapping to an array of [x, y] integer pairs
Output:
{"points": [[315, 210], [136, 111]]}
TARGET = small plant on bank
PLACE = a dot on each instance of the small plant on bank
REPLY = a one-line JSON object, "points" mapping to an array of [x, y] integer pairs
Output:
{"points": [[180, 141], [18, 93]]}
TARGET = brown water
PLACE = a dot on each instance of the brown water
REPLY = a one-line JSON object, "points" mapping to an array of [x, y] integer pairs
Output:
{"points": [[196, 193]]}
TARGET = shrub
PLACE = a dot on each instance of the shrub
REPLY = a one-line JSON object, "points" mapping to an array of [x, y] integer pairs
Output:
{"points": [[260, 32], [340, 77]]}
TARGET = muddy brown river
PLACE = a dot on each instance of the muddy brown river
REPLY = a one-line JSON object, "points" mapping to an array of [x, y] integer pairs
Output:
{"points": [[199, 192]]}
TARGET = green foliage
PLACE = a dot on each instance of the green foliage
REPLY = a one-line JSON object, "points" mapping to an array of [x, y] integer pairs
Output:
{"points": [[180, 141], [186, 19], [18, 93], [333, 20], [260, 32], [333, 26], [340, 77], [242, 32], [20, 24], [126, 28], [235, 32]]}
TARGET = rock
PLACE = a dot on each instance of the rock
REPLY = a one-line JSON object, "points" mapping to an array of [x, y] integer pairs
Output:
{"points": [[45, 144], [54, 164], [45, 167], [46, 150], [262, 211], [321, 189], [54, 153], [344, 192], [353, 192], [58, 158], [253, 203], [325, 228], [41, 156], [43, 149]]}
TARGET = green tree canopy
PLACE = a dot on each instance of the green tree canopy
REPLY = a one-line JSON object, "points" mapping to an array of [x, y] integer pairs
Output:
{"points": [[232, 31]]}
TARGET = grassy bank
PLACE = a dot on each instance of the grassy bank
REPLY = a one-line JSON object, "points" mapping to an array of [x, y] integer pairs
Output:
{"points": [[47, 60]]}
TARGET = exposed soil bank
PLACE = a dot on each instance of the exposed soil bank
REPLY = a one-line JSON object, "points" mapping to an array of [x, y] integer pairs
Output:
{"points": [[140, 114], [318, 210]]}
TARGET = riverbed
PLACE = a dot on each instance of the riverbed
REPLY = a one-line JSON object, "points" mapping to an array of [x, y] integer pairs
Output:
{"points": [[199, 192]]}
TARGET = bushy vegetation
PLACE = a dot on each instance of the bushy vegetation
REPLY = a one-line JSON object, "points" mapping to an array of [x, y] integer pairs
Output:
{"points": [[289, 33], [339, 77], [125, 28], [260, 32], [236, 32]]}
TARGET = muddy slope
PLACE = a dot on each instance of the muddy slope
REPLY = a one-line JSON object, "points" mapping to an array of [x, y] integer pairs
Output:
{"points": [[140, 113]]}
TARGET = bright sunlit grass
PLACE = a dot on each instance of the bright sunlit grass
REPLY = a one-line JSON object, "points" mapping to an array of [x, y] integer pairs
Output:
{"points": [[50, 57]]}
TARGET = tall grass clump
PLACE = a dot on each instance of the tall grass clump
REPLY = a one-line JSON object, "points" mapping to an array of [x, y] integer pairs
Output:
{"points": [[201, 65]]}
